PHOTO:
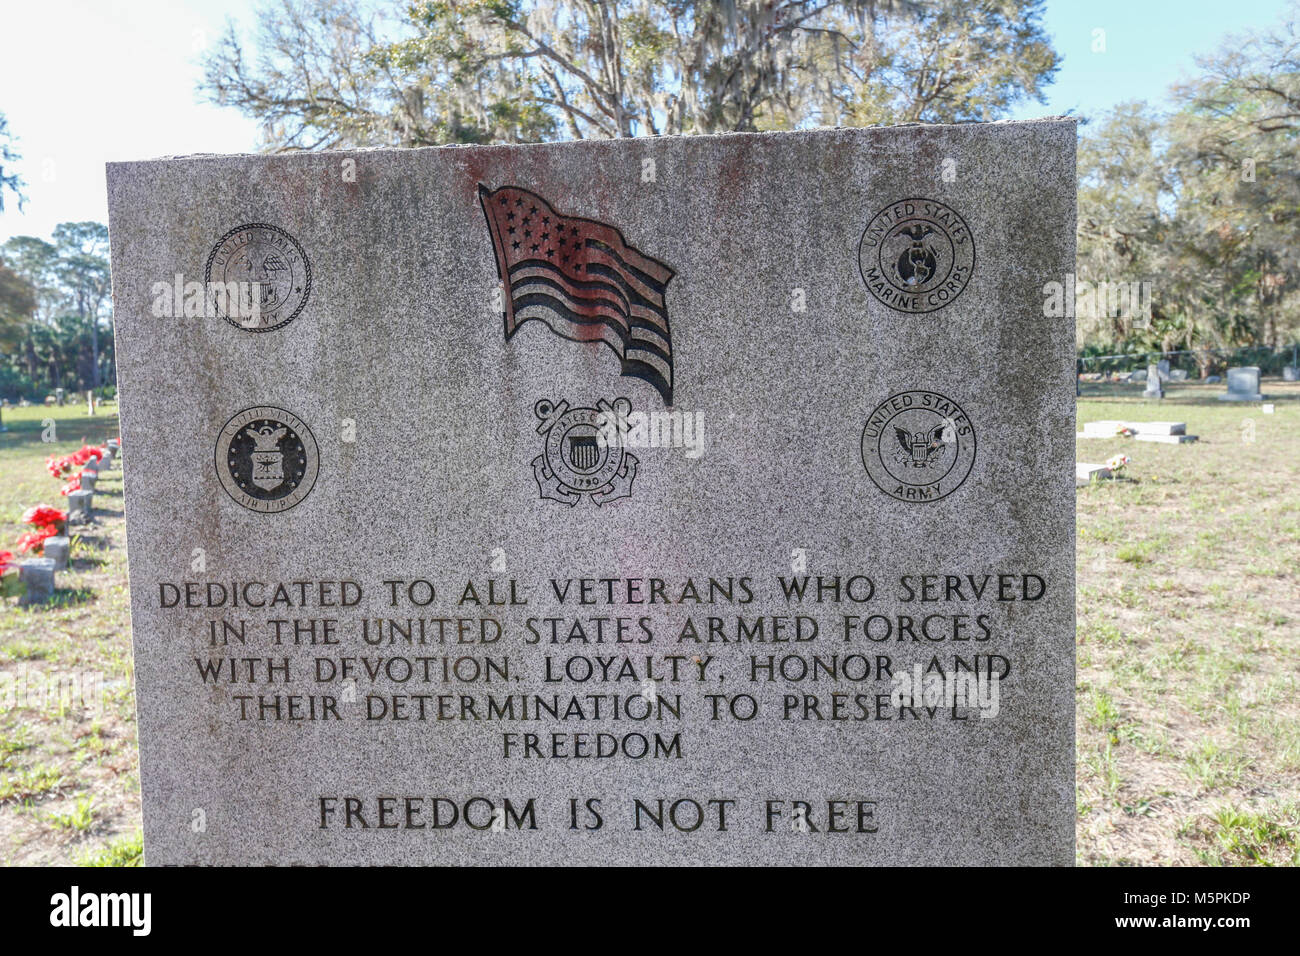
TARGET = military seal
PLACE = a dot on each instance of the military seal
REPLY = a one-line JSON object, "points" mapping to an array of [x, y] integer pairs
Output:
{"points": [[265, 254], [584, 453], [267, 459], [916, 255], [918, 446]]}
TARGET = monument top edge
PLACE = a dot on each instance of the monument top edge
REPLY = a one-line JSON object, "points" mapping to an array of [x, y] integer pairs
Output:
{"points": [[599, 143]]}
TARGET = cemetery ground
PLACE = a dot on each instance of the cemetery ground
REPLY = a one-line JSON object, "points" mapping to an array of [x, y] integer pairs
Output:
{"points": [[1188, 634], [69, 779], [1188, 644]]}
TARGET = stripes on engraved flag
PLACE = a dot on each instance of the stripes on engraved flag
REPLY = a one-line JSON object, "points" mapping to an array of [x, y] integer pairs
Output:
{"points": [[582, 279]]}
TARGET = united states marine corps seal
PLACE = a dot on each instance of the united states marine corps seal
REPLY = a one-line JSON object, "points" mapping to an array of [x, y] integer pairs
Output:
{"points": [[265, 254], [584, 452], [918, 446], [267, 459], [916, 255]]}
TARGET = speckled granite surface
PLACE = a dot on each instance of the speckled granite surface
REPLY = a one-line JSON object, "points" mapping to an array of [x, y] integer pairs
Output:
{"points": [[849, 325]]}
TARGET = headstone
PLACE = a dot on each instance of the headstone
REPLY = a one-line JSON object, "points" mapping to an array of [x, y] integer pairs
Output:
{"points": [[56, 549], [88, 479], [1167, 439], [1267, 408], [1103, 429], [58, 395], [1212, 380], [1153, 389], [1243, 385], [1139, 376], [90, 403], [1086, 474], [548, 613], [80, 506], [1178, 375], [37, 576], [1171, 433], [1158, 428], [1290, 373], [1162, 369]]}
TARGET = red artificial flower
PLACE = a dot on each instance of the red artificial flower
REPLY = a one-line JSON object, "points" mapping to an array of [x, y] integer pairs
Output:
{"points": [[73, 485], [6, 562], [32, 543], [59, 467], [35, 540], [43, 515]]}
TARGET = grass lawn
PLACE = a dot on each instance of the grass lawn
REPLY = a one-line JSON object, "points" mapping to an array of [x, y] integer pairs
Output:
{"points": [[1188, 638], [69, 780], [1188, 645]]}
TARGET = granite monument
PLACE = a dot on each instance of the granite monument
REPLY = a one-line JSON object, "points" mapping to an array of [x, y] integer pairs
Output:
{"points": [[698, 500]]}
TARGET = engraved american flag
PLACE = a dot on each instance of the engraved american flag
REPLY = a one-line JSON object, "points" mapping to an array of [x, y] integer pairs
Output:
{"points": [[582, 279]]}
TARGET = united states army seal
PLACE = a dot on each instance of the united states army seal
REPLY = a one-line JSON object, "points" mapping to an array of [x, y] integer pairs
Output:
{"points": [[267, 255], [916, 255], [918, 446], [267, 459], [584, 453]]}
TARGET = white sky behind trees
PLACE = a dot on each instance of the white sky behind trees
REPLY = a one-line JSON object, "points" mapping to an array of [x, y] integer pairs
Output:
{"points": [[83, 83]]}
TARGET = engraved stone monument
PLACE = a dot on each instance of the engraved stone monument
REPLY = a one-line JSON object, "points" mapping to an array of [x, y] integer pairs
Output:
{"points": [[672, 500]]}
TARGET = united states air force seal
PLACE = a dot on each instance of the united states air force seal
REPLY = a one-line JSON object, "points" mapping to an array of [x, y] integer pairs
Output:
{"points": [[265, 254], [584, 453], [267, 459], [918, 446], [916, 255]]}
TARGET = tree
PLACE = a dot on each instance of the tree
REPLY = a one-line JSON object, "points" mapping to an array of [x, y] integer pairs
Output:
{"points": [[1236, 136], [83, 273], [69, 283], [34, 261], [17, 306], [338, 73], [1204, 202], [9, 180]]}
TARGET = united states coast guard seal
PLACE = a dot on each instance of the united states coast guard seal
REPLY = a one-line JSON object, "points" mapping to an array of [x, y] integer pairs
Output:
{"points": [[267, 459], [916, 255], [918, 446], [265, 254], [584, 454]]}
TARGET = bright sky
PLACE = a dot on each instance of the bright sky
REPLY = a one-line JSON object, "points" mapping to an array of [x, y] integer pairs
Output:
{"points": [[84, 82]]}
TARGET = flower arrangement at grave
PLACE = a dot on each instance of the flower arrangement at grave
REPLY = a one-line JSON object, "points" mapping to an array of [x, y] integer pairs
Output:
{"points": [[1123, 431], [1117, 464], [46, 522], [43, 515], [62, 468]]}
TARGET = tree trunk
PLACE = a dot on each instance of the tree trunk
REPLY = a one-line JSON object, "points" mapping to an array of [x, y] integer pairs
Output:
{"points": [[94, 352]]}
